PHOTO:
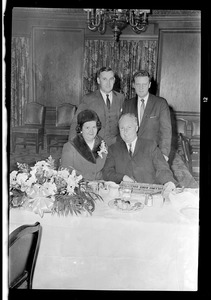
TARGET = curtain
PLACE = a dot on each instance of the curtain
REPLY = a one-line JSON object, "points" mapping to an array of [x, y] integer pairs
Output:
{"points": [[125, 58], [19, 78]]}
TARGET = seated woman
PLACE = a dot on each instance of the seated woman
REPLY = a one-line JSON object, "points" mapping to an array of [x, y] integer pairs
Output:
{"points": [[87, 151]]}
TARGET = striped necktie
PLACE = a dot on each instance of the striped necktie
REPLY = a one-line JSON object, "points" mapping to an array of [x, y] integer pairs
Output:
{"points": [[142, 108], [130, 150], [108, 101]]}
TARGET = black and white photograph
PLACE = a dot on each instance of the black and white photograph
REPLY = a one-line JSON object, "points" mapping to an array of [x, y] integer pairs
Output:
{"points": [[104, 109]]}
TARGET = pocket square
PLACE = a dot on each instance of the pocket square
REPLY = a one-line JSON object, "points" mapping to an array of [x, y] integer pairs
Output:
{"points": [[151, 117]]}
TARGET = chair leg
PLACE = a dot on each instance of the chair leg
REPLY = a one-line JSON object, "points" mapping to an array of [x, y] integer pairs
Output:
{"points": [[42, 142], [48, 139], [25, 142], [13, 142], [37, 143]]}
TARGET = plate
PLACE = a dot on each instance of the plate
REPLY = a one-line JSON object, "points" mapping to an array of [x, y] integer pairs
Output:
{"points": [[125, 207]]}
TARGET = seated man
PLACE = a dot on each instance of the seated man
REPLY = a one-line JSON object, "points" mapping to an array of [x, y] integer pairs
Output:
{"points": [[135, 159]]}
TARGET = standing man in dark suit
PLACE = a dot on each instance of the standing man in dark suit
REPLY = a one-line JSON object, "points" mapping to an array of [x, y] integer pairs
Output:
{"points": [[106, 103], [152, 112], [154, 118]]}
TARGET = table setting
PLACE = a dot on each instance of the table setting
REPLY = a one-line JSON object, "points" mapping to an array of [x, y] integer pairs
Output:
{"points": [[130, 239]]}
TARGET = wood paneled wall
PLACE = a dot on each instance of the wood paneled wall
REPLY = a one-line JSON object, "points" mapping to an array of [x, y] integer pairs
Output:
{"points": [[177, 66], [57, 65]]}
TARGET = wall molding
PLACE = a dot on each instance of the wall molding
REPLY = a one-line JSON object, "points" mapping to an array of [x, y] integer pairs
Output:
{"points": [[122, 37], [172, 12], [194, 114]]}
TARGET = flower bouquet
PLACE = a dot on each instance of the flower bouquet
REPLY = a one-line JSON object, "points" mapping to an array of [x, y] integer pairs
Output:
{"points": [[42, 188]]}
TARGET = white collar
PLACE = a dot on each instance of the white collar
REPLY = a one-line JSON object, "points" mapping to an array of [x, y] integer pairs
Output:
{"points": [[105, 94], [145, 98], [133, 144]]}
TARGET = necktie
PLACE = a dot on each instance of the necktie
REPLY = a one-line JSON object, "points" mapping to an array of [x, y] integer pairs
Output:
{"points": [[130, 150], [108, 101], [142, 110]]}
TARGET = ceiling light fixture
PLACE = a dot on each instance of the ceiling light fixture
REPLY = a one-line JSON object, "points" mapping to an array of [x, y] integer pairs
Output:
{"points": [[117, 19]]}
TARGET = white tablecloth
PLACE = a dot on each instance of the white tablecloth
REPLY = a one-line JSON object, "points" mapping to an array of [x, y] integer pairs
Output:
{"points": [[153, 249]]}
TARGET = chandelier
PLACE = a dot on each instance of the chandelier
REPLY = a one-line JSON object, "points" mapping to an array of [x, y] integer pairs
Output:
{"points": [[117, 19]]}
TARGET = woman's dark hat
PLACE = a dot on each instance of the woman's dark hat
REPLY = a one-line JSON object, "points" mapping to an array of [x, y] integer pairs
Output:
{"points": [[87, 115]]}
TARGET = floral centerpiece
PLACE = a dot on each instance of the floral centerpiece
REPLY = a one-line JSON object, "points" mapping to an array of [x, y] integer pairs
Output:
{"points": [[42, 188]]}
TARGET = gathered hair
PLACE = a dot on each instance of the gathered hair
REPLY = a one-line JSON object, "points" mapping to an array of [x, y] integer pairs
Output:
{"points": [[130, 115], [80, 126], [103, 69], [86, 116], [141, 73]]}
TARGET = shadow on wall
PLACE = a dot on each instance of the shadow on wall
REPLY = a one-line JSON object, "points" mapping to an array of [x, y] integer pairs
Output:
{"points": [[117, 84], [153, 87]]}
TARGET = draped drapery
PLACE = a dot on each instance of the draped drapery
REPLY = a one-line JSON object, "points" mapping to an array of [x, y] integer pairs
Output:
{"points": [[125, 58], [19, 78]]}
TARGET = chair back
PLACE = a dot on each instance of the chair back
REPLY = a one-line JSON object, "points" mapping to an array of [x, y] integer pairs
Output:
{"points": [[24, 244], [182, 126], [186, 148], [64, 114], [195, 128], [34, 114]]}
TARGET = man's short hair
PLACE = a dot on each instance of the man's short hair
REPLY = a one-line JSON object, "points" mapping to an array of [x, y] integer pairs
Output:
{"points": [[130, 115], [141, 73], [104, 69]]}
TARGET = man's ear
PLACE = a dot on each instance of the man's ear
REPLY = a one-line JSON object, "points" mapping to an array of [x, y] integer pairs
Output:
{"points": [[150, 84], [137, 128], [98, 80]]}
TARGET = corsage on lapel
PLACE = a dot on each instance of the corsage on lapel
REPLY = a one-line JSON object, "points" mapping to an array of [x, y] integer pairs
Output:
{"points": [[103, 149], [90, 155]]}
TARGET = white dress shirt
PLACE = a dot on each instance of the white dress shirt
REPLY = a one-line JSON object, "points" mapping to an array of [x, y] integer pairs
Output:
{"points": [[139, 104], [133, 144], [104, 96]]}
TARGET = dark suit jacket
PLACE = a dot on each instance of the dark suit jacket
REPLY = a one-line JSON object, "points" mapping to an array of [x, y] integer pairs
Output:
{"points": [[147, 164], [156, 122], [94, 101]]}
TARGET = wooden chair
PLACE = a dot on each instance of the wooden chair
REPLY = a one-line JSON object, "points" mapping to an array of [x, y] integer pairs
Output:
{"points": [[32, 132], [195, 144], [56, 136], [195, 135], [182, 125], [181, 128], [24, 244], [186, 149]]}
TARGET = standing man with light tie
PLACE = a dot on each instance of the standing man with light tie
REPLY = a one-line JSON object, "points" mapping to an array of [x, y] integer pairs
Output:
{"points": [[154, 120], [152, 112], [106, 103]]}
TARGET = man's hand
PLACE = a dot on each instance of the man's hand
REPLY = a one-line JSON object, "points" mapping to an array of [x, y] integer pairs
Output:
{"points": [[127, 178], [167, 189]]}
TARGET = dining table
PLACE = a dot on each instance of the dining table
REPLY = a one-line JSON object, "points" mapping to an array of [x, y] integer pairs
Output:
{"points": [[154, 247]]}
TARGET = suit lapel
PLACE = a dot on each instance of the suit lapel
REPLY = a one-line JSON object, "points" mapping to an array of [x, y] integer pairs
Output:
{"points": [[137, 146], [82, 147], [147, 112], [124, 150], [115, 101], [99, 95], [133, 108]]}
